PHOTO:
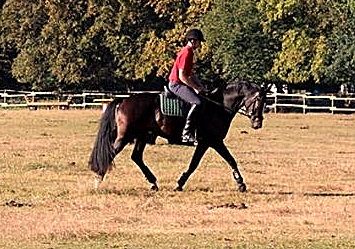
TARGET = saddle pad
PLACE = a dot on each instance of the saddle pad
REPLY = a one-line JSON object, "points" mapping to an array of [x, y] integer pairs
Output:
{"points": [[171, 106]]}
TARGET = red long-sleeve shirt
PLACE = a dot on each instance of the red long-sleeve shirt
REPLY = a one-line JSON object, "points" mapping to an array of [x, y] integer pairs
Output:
{"points": [[184, 61]]}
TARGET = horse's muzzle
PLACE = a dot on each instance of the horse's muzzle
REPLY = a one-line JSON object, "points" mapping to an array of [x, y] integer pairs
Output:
{"points": [[256, 123]]}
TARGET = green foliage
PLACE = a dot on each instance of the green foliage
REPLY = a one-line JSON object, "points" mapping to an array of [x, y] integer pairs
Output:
{"points": [[239, 48], [75, 44], [111, 44], [340, 64], [160, 40], [20, 22], [48, 55], [300, 59], [303, 28]]}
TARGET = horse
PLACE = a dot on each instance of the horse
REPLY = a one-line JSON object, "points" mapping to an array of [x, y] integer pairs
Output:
{"points": [[134, 118]]}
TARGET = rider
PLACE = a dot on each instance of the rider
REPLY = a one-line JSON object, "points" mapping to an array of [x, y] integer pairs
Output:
{"points": [[183, 83]]}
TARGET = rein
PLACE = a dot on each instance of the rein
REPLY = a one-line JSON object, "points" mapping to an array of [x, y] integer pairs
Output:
{"points": [[229, 110]]}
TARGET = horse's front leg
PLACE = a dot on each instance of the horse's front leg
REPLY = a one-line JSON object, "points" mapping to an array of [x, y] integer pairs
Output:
{"points": [[199, 152], [137, 157], [223, 151]]}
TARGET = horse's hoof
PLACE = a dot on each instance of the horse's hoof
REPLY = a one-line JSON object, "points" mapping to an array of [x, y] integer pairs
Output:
{"points": [[154, 187], [97, 181], [242, 187], [178, 188]]}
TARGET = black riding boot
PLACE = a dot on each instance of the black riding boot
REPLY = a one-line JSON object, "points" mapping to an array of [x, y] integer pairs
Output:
{"points": [[188, 134]]}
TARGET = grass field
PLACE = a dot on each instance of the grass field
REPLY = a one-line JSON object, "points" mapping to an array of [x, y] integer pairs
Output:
{"points": [[299, 171]]}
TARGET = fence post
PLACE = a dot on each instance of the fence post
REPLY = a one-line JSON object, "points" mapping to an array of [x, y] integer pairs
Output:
{"points": [[84, 104], [332, 101], [304, 103]]}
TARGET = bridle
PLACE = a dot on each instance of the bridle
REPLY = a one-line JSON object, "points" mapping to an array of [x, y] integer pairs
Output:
{"points": [[254, 104], [242, 111]]}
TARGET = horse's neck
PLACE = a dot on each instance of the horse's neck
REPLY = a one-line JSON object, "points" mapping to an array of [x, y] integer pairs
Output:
{"points": [[218, 116], [233, 101]]}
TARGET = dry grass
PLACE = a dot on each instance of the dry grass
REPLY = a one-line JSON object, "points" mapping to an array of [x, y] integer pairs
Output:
{"points": [[299, 170]]}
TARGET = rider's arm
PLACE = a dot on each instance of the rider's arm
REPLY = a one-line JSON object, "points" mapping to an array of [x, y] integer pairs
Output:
{"points": [[187, 80]]}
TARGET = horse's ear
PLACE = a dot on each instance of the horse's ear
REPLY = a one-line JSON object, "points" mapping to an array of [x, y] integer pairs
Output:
{"points": [[214, 90], [211, 93], [267, 88]]}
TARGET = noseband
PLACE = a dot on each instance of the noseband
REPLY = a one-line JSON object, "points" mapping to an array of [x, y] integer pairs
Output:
{"points": [[253, 104]]}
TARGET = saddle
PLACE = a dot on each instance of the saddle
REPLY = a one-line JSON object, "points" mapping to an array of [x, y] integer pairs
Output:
{"points": [[171, 105]]}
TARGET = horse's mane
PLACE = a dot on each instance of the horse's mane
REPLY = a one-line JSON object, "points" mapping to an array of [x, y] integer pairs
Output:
{"points": [[236, 87], [217, 93], [242, 85]]}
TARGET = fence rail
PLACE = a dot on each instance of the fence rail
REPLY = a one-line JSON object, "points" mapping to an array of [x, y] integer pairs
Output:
{"points": [[275, 102], [307, 103], [50, 100]]}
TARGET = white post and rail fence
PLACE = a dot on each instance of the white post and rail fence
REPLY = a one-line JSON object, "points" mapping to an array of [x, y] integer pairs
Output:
{"points": [[306, 103], [52, 100], [277, 102]]}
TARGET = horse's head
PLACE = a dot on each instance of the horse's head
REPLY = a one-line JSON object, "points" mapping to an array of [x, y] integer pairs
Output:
{"points": [[250, 97], [254, 106]]}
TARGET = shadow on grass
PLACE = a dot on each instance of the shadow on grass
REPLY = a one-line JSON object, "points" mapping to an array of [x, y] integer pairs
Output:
{"points": [[322, 194]]}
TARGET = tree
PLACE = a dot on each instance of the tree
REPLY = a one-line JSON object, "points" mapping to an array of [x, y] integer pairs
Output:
{"points": [[52, 59], [239, 48], [303, 28], [161, 39], [340, 62], [20, 22], [77, 44]]}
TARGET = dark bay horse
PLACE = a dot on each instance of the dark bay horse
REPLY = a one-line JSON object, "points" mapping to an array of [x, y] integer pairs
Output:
{"points": [[139, 115]]}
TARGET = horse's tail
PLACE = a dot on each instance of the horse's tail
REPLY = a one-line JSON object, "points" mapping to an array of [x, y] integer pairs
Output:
{"points": [[103, 153]]}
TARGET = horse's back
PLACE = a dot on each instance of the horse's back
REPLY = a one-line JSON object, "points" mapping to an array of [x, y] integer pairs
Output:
{"points": [[136, 114], [139, 105]]}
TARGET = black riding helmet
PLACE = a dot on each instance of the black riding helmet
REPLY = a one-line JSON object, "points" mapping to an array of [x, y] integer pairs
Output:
{"points": [[194, 34]]}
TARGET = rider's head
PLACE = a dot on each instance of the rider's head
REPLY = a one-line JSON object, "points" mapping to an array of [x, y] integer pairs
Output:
{"points": [[194, 37]]}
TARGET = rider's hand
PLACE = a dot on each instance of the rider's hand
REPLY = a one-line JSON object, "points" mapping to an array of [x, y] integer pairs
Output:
{"points": [[200, 90]]}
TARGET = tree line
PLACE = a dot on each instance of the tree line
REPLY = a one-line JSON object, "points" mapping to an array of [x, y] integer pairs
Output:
{"points": [[66, 45]]}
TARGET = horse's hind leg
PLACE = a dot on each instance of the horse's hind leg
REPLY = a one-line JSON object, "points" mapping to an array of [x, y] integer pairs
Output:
{"points": [[118, 146], [137, 157]]}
